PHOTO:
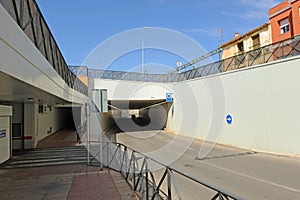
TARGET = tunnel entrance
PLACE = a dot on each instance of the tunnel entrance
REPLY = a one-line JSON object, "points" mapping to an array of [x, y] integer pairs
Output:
{"points": [[62, 122], [140, 115]]}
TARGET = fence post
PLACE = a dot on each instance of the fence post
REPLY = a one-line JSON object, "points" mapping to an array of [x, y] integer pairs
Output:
{"points": [[169, 185]]}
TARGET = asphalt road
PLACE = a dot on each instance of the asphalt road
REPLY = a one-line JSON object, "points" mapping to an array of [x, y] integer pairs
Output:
{"points": [[249, 174]]}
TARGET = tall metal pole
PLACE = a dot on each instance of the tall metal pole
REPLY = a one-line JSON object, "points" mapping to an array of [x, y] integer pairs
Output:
{"points": [[88, 132], [143, 53]]}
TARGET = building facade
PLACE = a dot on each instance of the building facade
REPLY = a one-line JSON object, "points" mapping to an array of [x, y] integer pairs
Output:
{"points": [[254, 39], [285, 20], [244, 50]]}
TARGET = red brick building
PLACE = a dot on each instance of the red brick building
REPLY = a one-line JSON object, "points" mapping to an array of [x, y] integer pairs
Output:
{"points": [[285, 20]]}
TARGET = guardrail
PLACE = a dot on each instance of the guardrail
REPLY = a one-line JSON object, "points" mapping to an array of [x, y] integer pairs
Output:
{"points": [[137, 169], [28, 16], [266, 54]]}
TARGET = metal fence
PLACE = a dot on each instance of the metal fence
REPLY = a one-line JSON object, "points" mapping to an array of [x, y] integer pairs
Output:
{"points": [[277, 51], [266, 54], [28, 16], [151, 179], [134, 76]]}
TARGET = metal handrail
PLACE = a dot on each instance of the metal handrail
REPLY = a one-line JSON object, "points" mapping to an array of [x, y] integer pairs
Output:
{"points": [[269, 53], [28, 16], [136, 169]]}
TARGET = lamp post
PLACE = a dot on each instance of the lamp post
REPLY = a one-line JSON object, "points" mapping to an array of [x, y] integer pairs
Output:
{"points": [[143, 53], [221, 32]]}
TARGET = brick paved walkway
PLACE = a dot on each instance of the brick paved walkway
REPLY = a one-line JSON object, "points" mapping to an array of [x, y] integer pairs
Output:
{"points": [[66, 137], [70, 181]]}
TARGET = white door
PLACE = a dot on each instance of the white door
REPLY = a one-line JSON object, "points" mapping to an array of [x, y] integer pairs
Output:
{"points": [[4, 139]]}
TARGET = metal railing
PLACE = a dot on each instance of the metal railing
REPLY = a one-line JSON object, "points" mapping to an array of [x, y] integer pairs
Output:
{"points": [[134, 76], [153, 180], [28, 16], [150, 179], [277, 51]]}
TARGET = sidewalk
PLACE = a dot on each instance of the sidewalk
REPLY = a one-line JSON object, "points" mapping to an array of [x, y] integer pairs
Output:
{"points": [[58, 182]]}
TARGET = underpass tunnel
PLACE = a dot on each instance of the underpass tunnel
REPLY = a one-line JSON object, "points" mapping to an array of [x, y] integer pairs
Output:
{"points": [[33, 122], [136, 115]]}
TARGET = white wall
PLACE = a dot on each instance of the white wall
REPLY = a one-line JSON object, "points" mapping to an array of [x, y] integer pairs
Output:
{"points": [[124, 90], [264, 103], [30, 125], [129, 90], [5, 142]]}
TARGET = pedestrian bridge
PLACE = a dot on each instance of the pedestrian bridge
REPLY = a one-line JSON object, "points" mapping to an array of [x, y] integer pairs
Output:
{"points": [[34, 79]]}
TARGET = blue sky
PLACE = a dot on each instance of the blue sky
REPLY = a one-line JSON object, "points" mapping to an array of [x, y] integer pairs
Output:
{"points": [[79, 26]]}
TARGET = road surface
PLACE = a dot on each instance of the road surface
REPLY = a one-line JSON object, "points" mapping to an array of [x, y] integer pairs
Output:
{"points": [[249, 174]]}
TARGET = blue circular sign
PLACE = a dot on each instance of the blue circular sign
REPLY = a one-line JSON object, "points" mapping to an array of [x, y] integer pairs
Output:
{"points": [[229, 119]]}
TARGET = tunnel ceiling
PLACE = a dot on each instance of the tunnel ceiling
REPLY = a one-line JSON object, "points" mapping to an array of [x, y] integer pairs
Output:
{"points": [[134, 104]]}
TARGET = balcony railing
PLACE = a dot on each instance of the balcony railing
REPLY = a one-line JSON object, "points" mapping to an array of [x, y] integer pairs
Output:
{"points": [[28, 16], [266, 54]]}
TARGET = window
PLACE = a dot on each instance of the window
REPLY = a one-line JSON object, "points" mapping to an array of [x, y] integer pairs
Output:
{"points": [[240, 47], [256, 41], [17, 129], [284, 26]]}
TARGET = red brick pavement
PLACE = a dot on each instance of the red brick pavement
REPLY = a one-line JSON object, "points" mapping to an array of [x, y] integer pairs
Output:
{"points": [[94, 185], [65, 137], [63, 182]]}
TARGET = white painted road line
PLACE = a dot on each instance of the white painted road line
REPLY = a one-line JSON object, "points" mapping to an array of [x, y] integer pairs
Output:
{"points": [[254, 178]]}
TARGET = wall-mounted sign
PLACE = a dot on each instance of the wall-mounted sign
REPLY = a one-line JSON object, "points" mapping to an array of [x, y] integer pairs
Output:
{"points": [[229, 119], [169, 97], [2, 133]]}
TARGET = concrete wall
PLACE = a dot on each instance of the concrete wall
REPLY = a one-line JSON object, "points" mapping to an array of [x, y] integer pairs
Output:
{"points": [[17, 118], [264, 103], [124, 90], [50, 122], [5, 140], [30, 125]]}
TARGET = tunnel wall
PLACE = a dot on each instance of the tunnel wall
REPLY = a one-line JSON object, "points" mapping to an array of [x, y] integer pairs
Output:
{"points": [[52, 121], [263, 102], [37, 125], [124, 90]]}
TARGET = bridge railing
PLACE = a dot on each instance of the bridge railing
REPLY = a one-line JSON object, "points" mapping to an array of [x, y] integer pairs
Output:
{"points": [[28, 16], [277, 51]]}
